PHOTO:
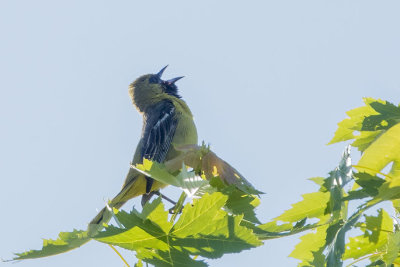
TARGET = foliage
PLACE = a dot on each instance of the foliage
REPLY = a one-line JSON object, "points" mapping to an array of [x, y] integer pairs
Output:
{"points": [[220, 216]]}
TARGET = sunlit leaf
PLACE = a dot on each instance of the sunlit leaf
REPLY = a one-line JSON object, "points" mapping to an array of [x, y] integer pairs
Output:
{"points": [[194, 218], [274, 227], [366, 124], [203, 229], [384, 150], [392, 248], [156, 171], [376, 232], [313, 205], [66, 241], [349, 128], [225, 235], [310, 244]]}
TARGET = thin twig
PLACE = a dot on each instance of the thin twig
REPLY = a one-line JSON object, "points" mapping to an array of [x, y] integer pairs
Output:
{"points": [[164, 197], [119, 254], [178, 206]]}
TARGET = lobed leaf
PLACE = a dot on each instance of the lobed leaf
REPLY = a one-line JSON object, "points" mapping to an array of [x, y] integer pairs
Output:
{"points": [[197, 217], [309, 246], [392, 248], [203, 229], [385, 150], [376, 233], [347, 128], [366, 124], [66, 241], [313, 205]]}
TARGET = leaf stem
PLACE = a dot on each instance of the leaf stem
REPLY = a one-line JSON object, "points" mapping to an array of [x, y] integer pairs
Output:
{"points": [[274, 235], [178, 207], [119, 254]]}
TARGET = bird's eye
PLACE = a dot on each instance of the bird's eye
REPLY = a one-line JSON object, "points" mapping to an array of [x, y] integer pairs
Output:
{"points": [[153, 79]]}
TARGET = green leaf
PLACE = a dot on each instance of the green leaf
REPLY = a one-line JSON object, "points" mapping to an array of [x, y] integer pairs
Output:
{"points": [[358, 194], [156, 213], [366, 124], [388, 191], [348, 127], [392, 248], [310, 244], [384, 150], [139, 263], [225, 235], [133, 238], [66, 241], [313, 205], [376, 232], [192, 184], [273, 227], [203, 229], [196, 217], [240, 203], [379, 263], [319, 181], [156, 171], [366, 138], [389, 115], [369, 183], [148, 228], [386, 108]]}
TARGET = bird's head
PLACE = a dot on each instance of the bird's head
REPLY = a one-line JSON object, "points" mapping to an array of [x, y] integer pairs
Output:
{"points": [[149, 88]]}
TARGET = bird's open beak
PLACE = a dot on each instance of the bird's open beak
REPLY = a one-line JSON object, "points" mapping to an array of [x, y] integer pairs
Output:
{"points": [[170, 81], [159, 74], [174, 80]]}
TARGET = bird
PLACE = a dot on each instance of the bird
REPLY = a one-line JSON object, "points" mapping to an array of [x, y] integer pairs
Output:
{"points": [[167, 125]]}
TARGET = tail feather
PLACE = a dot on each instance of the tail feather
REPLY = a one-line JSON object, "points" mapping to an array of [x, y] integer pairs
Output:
{"points": [[103, 217], [133, 187]]}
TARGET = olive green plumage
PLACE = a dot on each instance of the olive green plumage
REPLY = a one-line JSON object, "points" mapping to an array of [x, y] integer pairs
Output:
{"points": [[167, 124]]}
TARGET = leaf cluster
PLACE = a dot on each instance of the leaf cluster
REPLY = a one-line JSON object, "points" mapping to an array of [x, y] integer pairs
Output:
{"points": [[220, 216], [375, 130], [220, 219]]}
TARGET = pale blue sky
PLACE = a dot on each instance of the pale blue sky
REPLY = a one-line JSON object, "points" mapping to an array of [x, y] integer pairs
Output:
{"points": [[267, 82]]}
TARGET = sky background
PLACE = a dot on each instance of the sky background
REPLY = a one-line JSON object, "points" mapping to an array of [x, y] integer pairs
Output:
{"points": [[267, 82]]}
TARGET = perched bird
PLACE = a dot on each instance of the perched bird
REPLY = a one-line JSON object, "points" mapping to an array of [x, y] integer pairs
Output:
{"points": [[167, 125]]}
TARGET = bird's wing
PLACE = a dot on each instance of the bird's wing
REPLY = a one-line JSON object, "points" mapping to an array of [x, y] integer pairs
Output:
{"points": [[159, 129]]}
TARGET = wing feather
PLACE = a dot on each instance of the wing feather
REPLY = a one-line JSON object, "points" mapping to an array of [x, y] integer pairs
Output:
{"points": [[159, 130]]}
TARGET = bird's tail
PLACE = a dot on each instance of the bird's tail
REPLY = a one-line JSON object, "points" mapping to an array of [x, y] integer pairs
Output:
{"points": [[103, 217], [135, 185]]}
